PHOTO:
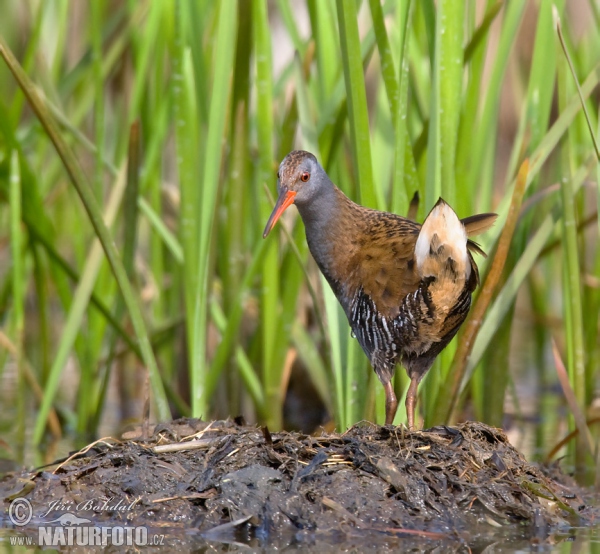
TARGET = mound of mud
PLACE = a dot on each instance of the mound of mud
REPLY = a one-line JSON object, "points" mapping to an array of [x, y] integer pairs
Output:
{"points": [[238, 483]]}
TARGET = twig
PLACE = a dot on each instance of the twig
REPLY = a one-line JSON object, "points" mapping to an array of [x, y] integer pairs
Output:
{"points": [[86, 449], [186, 445]]}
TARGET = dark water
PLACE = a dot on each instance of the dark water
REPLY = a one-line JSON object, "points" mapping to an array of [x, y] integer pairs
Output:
{"points": [[154, 540]]}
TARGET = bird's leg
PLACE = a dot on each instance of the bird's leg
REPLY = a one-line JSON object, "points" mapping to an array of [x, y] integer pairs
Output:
{"points": [[411, 398], [391, 403]]}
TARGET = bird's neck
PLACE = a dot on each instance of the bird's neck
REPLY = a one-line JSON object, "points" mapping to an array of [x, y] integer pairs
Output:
{"points": [[329, 230], [319, 213]]}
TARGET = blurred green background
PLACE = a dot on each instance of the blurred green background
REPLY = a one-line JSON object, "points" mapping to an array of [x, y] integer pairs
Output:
{"points": [[139, 143]]}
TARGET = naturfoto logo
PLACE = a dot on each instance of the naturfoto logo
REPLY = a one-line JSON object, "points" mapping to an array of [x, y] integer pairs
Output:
{"points": [[69, 529]]}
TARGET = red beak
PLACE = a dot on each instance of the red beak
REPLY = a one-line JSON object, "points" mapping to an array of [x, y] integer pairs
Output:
{"points": [[285, 200]]}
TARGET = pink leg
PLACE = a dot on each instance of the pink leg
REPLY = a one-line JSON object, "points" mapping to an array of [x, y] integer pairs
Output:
{"points": [[391, 403], [411, 399]]}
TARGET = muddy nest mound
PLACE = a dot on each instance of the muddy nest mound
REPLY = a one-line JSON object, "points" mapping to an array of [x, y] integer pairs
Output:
{"points": [[238, 483]]}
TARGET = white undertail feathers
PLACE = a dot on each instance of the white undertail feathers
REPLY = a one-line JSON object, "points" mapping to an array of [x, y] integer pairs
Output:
{"points": [[441, 248]]}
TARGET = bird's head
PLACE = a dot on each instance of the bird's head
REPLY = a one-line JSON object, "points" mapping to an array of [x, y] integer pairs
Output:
{"points": [[298, 180]]}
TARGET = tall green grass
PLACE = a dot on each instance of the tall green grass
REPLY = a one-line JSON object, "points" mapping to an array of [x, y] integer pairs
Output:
{"points": [[139, 154]]}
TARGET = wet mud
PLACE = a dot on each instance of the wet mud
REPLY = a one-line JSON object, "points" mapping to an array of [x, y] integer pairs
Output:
{"points": [[206, 485]]}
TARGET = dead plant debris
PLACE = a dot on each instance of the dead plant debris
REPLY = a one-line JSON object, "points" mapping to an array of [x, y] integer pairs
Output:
{"points": [[242, 483]]}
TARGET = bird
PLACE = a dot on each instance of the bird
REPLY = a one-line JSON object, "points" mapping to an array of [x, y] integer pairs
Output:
{"points": [[405, 287]]}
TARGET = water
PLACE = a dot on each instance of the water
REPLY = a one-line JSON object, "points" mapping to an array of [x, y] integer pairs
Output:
{"points": [[575, 541]]}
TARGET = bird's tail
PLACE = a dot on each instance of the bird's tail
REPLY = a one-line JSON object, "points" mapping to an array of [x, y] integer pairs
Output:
{"points": [[442, 257]]}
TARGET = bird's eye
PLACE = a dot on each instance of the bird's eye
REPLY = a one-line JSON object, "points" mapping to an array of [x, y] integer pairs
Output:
{"points": [[278, 174], [305, 176]]}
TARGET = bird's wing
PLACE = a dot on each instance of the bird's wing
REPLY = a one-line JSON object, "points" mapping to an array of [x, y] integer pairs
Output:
{"points": [[381, 263], [384, 265]]}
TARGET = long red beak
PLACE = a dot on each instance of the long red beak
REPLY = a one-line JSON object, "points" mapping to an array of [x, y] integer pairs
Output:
{"points": [[285, 200]]}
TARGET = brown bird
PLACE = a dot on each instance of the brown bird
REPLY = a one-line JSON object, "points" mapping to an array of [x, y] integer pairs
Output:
{"points": [[405, 287]]}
